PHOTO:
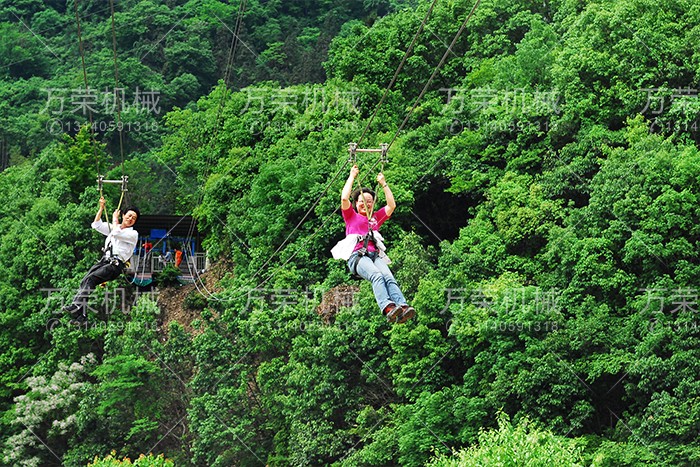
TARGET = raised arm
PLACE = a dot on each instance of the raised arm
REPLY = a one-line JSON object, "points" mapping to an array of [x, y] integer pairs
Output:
{"points": [[347, 189], [98, 216], [115, 218], [388, 195]]}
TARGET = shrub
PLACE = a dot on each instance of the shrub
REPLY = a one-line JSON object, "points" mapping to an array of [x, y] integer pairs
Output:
{"points": [[195, 300], [168, 276], [142, 461], [516, 446]]}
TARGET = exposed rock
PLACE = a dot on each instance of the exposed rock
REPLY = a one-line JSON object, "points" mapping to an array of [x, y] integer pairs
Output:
{"points": [[338, 297]]}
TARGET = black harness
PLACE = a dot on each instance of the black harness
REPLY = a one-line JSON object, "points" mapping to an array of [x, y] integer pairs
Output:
{"points": [[363, 252], [110, 258]]}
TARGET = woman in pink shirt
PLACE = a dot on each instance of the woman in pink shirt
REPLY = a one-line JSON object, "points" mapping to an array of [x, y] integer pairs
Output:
{"points": [[366, 259]]}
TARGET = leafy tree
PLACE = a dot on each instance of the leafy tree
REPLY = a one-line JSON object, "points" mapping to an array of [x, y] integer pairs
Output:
{"points": [[515, 445], [141, 461], [21, 53], [45, 415]]}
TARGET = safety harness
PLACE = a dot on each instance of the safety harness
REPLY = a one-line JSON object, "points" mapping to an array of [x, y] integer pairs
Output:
{"points": [[111, 258], [363, 252]]}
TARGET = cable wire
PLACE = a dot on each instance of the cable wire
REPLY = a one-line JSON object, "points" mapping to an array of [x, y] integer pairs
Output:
{"points": [[437, 68]]}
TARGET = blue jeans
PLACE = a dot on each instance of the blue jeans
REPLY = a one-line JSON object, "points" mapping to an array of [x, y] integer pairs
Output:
{"points": [[386, 289]]}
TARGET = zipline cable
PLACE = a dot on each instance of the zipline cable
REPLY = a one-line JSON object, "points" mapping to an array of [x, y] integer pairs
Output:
{"points": [[93, 140], [415, 104], [217, 124], [425, 88], [398, 70], [116, 96], [308, 212], [437, 68], [369, 123], [260, 269], [85, 80], [393, 81], [422, 93]]}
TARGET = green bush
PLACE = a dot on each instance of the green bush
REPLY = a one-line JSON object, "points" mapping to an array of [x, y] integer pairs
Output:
{"points": [[516, 446], [195, 300], [168, 276], [142, 461]]}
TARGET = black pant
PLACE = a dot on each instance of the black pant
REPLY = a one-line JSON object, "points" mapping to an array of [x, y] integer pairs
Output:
{"points": [[105, 270]]}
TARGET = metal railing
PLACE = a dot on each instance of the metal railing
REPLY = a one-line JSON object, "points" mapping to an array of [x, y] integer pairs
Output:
{"points": [[148, 263]]}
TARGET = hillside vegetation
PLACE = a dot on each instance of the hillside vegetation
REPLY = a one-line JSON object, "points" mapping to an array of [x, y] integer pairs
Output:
{"points": [[547, 183]]}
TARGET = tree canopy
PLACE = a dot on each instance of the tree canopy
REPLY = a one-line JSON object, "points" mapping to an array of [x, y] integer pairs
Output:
{"points": [[547, 183]]}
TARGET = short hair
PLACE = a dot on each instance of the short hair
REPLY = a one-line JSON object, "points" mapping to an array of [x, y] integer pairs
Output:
{"points": [[135, 209], [355, 195]]}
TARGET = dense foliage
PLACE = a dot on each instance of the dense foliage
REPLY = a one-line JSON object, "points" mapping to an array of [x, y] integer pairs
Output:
{"points": [[141, 461], [517, 446], [546, 232]]}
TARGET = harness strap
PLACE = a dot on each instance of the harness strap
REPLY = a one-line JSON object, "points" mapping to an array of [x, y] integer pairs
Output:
{"points": [[108, 250], [363, 251], [110, 257], [114, 261]]}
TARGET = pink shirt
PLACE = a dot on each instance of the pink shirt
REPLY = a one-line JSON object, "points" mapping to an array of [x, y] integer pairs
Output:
{"points": [[358, 224]]}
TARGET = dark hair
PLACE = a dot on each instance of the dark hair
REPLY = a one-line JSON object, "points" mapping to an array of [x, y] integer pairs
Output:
{"points": [[355, 195], [135, 209]]}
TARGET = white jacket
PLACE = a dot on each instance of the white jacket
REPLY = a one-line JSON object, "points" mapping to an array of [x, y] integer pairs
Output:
{"points": [[344, 248]]}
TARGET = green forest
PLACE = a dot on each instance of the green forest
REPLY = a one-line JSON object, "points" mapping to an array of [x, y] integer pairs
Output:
{"points": [[544, 157]]}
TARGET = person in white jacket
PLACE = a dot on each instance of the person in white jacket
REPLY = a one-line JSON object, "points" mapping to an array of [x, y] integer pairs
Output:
{"points": [[363, 247], [118, 248]]}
